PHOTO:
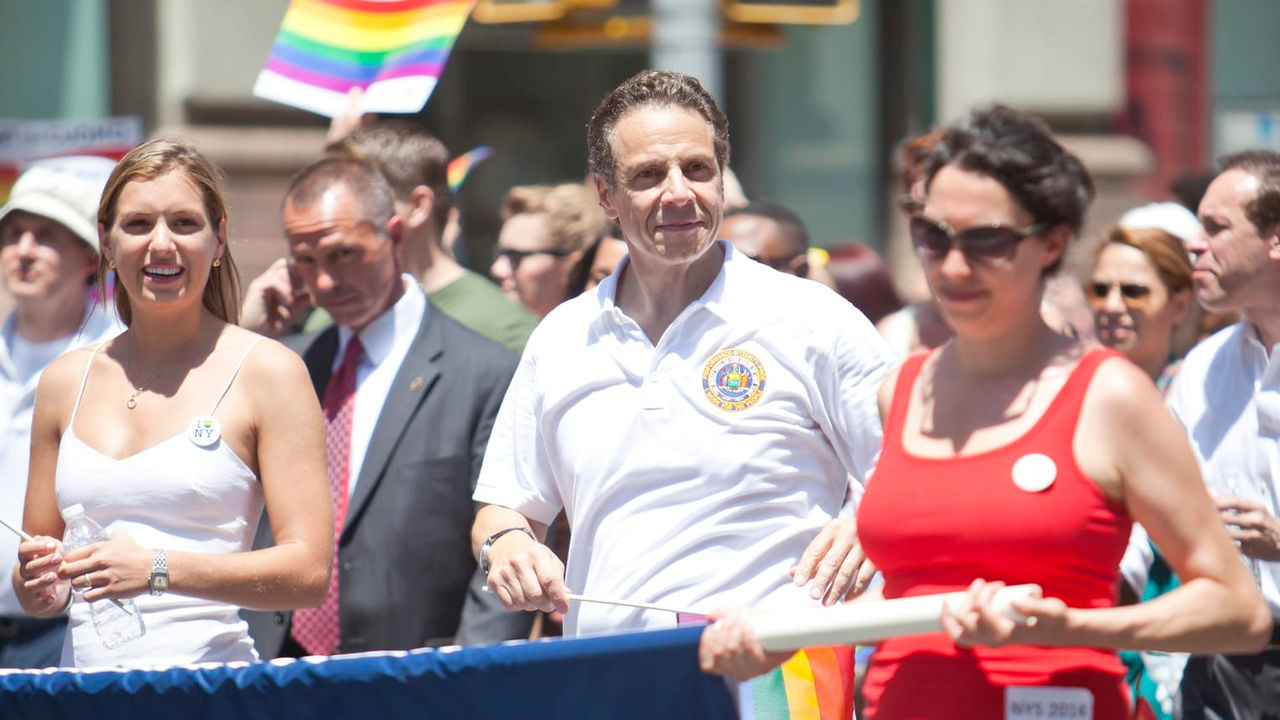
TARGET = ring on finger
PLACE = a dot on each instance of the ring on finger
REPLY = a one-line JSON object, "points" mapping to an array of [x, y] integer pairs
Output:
{"points": [[88, 582]]}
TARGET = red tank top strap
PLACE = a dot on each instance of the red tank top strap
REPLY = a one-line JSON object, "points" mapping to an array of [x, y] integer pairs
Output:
{"points": [[897, 417], [1071, 397]]}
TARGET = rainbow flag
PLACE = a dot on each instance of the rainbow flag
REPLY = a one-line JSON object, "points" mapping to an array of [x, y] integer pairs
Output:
{"points": [[461, 166], [814, 684], [394, 50]]}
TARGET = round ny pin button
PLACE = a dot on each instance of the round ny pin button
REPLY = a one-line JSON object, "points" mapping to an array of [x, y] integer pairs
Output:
{"points": [[205, 430]]}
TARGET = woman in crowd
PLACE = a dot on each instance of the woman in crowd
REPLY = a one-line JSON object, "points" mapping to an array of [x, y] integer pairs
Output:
{"points": [[172, 436], [544, 231], [1140, 291], [1015, 454]]}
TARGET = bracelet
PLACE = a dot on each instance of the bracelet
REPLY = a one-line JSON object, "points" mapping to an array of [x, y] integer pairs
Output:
{"points": [[484, 549]]}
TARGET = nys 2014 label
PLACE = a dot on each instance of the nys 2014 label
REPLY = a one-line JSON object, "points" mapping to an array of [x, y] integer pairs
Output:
{"points": [[1047, 703]]}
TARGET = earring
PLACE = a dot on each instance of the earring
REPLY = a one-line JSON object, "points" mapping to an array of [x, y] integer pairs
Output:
{"points": [[111, 264], [217, 262]]}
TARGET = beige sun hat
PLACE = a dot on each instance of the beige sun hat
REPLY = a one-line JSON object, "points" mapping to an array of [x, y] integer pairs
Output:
{"points": [[66, 190]]}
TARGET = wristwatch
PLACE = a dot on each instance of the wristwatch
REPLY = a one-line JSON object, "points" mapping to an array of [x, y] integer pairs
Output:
{"points": [[484, 549], [159, 580]]}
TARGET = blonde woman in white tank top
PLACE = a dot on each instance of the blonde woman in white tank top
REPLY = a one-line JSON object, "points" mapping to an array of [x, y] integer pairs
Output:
{"points": [[173, 435]]}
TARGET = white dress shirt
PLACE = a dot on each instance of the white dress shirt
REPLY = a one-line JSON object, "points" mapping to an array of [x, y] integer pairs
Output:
{"points": [[21, 364], [386, 341], [691, 477], [1227, 396]]}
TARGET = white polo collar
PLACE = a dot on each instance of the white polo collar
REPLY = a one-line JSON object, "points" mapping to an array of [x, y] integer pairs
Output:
{"points": [[712, 299]]}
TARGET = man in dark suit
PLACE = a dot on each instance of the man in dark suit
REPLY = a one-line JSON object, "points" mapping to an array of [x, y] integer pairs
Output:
{"points": [[409, 397]]}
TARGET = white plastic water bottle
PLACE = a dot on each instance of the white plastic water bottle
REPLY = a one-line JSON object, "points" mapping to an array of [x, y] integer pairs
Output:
{"points": [[117, 621]]}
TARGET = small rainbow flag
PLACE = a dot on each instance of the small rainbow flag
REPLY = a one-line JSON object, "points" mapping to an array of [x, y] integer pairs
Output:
{"points": [[814, 684], [394, 50], [461, 166]]}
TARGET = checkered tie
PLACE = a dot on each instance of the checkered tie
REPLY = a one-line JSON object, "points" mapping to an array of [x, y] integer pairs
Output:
{"points": [[316, 629]]}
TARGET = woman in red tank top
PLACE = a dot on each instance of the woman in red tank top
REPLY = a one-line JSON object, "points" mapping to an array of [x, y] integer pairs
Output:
{"points": [[1014, 454]]}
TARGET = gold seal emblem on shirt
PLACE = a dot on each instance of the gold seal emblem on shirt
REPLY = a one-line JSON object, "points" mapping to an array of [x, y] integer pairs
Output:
{"points": [[733, 380]]}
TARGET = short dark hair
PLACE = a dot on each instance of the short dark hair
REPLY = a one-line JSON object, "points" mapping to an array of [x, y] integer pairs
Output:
{"points": [[1018, 151], [1264, 209], [786, 218], [408, 156], [580, 273], [651, 88], [362, 179]]}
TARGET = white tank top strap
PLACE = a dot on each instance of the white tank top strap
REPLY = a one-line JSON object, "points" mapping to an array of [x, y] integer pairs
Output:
{"points": [[84, 381], [234, 373]]}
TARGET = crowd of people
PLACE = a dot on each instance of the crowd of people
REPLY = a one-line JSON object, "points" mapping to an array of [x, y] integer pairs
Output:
{"points": [[664, 395]]}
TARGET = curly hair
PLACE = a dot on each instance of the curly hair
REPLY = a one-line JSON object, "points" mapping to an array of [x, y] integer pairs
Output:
{"points": [[1019, 152], [656, 88]]}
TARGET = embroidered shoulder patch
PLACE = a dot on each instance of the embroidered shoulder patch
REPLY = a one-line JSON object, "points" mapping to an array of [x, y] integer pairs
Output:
{"points": [[733, 380]]}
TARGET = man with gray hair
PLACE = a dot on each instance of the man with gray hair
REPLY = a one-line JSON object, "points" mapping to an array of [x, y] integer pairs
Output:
{"points": [[1227, 396], [48, 258], [409, 396], [697, 415]]}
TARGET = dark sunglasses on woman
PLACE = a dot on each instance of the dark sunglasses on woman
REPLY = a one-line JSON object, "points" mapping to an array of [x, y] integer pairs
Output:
{"points": [[1132, 295], [933, 239], [515, 257]]}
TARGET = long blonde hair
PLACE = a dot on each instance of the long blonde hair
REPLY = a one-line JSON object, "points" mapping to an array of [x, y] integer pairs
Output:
{"points": [[149, 161]]}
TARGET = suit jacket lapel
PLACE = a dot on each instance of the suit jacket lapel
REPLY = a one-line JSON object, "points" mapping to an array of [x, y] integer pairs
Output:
{"points": [[417, 374], [318, 357]]}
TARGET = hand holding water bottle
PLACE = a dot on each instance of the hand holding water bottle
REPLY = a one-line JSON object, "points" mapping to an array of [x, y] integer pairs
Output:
{"points": [[92, 566]]}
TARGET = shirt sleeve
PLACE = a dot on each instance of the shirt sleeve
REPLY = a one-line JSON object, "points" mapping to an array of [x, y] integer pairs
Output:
{"points": [[516, 472], [848, 378]]}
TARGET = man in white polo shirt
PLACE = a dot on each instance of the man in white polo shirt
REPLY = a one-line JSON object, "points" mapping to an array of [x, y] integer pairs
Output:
{"points": [[701, 417]]}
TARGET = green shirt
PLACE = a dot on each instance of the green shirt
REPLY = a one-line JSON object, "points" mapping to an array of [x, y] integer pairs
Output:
{"points": [[477, 303]]}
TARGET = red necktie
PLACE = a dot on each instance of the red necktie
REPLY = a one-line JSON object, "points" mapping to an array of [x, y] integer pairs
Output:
{"points": [[316, 629]]}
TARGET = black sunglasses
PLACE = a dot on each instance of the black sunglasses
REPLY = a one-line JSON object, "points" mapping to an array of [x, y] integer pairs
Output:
{"points": [[515, 257], [1132, 295], [932, 240]]}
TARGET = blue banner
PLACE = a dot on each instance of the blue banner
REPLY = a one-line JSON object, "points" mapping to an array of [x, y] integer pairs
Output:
{"points": [[641, 675]]}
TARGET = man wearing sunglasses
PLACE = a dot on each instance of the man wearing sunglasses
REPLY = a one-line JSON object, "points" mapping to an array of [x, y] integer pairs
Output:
{"points": [[1227, 395]]}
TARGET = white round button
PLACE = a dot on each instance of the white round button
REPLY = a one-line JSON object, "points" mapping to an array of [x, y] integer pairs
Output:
{"points": [[204, 431], [1034, 472]]}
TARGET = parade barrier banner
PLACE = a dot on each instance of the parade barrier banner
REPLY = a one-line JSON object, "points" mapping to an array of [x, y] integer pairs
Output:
{"points": [[639, 675], [394, 50]]}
